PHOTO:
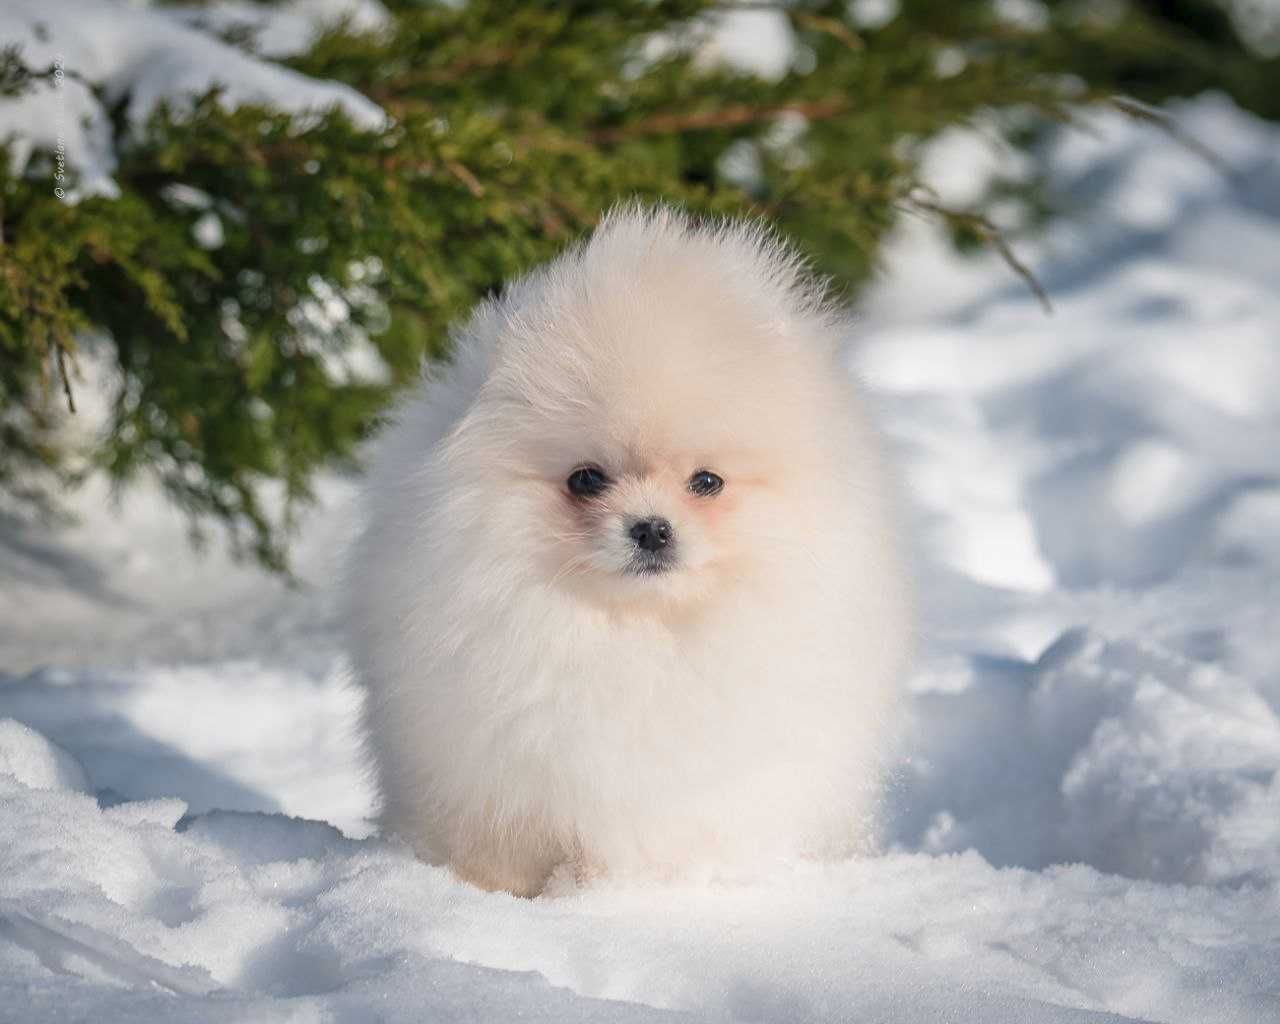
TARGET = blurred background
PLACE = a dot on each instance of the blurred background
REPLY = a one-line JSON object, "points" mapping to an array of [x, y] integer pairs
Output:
{"points": [[235, 228], [230, 231]]}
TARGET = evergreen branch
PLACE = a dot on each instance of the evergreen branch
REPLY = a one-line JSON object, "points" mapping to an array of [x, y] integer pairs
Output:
{"points": [[829, 26], [61, 352], [732, 116], [983, 227], [453, 73], [1153, 115], [460, 172]]}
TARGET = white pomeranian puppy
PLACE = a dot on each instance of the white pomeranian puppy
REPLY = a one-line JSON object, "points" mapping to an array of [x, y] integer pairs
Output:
{"points": [[629, 600]]}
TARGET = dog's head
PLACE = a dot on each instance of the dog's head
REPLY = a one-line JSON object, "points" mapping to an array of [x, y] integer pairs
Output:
{"points": [[657, 419]]}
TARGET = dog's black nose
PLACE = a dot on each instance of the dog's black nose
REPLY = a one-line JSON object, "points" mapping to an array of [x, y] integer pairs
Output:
{"points": [[651, 534]]}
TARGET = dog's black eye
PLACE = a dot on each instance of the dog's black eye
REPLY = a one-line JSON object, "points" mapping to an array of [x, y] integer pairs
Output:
{"points": [[587, 482], [704, 483]]}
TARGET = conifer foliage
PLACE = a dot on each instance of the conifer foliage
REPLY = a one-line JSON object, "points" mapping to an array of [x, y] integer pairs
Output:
{"points": [[259, 282]]}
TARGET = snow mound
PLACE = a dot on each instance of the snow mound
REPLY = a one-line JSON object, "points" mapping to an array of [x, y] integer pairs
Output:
{"points": [[33, 761], [1115, 753], [262, 914], [238, 735], [141, 57]]}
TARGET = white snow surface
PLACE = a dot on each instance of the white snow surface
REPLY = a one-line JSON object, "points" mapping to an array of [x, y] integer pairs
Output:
{"points": [[142, 56], [1085, 820]]}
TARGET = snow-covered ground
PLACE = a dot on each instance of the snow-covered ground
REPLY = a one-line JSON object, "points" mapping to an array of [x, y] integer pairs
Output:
{"points": [[1085, 821]]}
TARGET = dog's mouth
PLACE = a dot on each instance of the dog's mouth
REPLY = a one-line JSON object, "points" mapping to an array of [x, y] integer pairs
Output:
{"points": [[650, 564]]}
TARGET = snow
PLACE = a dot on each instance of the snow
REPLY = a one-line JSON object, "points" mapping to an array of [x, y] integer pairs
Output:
{"points": [[287, 28], [755, 41], [1085, 820], [33, 761], [144, 57], [132, 731]]}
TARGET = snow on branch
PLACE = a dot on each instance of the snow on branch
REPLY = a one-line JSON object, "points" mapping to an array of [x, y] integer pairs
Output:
{"points": [[85, 59]]}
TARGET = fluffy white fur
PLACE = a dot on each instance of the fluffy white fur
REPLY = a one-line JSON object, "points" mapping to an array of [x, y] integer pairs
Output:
{"points": [[531, 703]]}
